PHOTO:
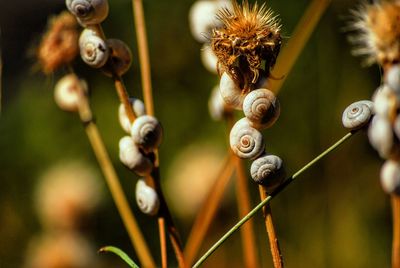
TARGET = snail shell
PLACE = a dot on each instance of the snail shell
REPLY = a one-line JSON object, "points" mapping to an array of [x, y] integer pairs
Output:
{"points": [[396, 127], [392, 78], [216, 105], [390, 177], [138, 108], [88, 12], [93, 49], [357, 114], [66, 92], [133, 158], [261, 107], [202, 18], [147, 198], [147, 132], [380, 136], [230, 92], [209, 59], [268, 170], [246, 141], [385, 101], [120, 57]]}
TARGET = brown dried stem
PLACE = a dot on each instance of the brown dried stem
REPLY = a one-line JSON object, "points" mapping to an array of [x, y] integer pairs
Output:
{"points": [[163, 243], [396, 231], [207, 211]]}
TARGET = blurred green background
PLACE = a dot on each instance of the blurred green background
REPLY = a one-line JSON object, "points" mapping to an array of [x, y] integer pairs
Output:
{"points": [[336, 215]]}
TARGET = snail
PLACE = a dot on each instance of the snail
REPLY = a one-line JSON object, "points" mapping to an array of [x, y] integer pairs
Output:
{"points": [[66, 92], [396, 127], [216, 105], [246, 141], [380, 136], [385, 101], [120, 58], [268, 170], [202, 18], [146, 132], [138, 109], [392, 78], [357, 114], [390, 177], [93, 49], [261, 107], [147, 198], [209, 59], [133, 158], [231, 92], [88, 12]]}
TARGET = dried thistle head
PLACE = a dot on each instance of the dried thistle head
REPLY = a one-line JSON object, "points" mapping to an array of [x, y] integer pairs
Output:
{"points": [[248, 42], [59, 45], [378, 32]]}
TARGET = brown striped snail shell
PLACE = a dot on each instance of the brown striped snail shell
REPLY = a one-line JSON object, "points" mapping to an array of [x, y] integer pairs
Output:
{"points": [[93, 49], [231, 92], [246, 141], [146, 132], [261, 107], [120, 58], [268, 171], [390, 177], [147, 198], [133, 158], [88, 12], [138, 108], [358, 114]]}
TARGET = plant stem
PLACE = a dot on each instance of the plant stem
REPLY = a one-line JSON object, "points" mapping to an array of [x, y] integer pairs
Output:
{"points": [[124, 98], [207, 212], [112, 180], [243, 200], [163, 243], [396, 231], [292, 50], [277, 257], [269, 198]]}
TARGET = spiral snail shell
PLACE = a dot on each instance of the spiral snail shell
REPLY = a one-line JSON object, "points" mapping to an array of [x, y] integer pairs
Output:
{"points": [[94, 51], [120, 58], [133, 158], [261, 107], [138, 108], [385, 101], [147, 198], [216, 105], [392, 78], [268, 170], [357, 114], [66, 92], [147, 132], [381, 137], [390, 177], [88, 12], [230, 92], [246, 141], [209, 59]]}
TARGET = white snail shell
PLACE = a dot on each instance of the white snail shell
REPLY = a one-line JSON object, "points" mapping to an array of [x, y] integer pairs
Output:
{"points": [[390, 177], [147, 132], [268, 170], [246, 141], [120, 58], [138, 108], [66, 92], [261, 107], [392, 78], [380, 136], [93, 49], [202, 18], [88, 12], [147, 198], [384, 100], [230, 92], [357, 114], [133, 158], [216, 105], [209, 59]]}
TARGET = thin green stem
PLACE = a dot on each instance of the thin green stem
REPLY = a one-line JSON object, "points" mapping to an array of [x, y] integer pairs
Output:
{"points": [[269, 197]]}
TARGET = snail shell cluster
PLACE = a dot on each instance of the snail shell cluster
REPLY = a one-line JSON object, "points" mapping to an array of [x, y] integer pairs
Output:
{"points": [[138, 109], [147, 198], [358, 114], [133, 158], [88, 12], [66, 92], [93, 49], [268, 170]]}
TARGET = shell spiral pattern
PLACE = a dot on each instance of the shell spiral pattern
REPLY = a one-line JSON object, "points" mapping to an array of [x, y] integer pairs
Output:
{"points": [[147, 132], [358, 114], [147, 198], [268, 171]]}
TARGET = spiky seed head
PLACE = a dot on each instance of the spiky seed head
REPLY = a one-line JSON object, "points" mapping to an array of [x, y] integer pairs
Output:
{"points": [[248, 39]]}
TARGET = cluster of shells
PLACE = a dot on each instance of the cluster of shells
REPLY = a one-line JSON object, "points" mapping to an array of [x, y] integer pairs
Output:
{"points": [[384, 126], [113, 56]]}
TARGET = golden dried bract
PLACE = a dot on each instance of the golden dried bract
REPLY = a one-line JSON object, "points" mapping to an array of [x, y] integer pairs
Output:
{"points": [[59, 45], [248, 43]]}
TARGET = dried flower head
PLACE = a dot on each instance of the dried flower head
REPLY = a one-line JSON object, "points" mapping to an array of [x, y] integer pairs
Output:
{"points": [[248, 43], [59, 45], [378, 32]]}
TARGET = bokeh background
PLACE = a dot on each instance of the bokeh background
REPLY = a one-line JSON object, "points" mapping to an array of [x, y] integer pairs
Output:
{"points": [[335, 215]]}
